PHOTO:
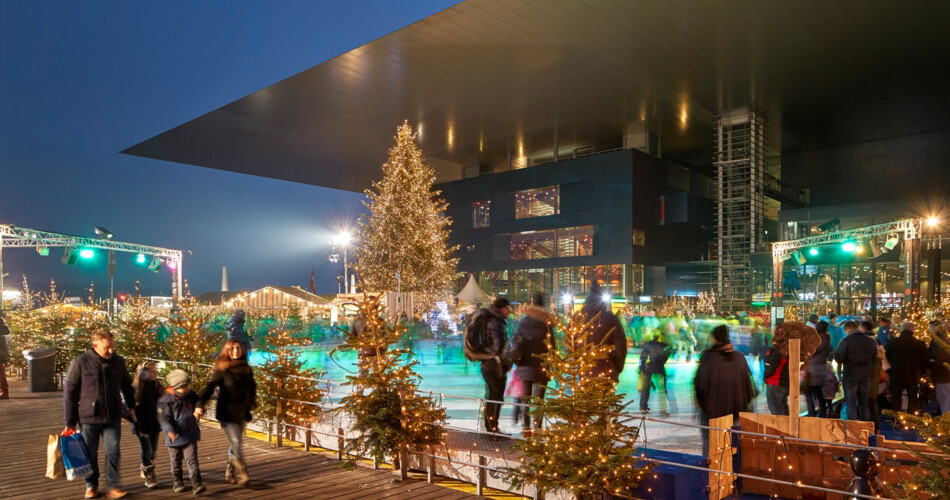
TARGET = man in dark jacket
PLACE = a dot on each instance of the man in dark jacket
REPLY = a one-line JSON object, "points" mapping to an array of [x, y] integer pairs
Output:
{"points": [[856, 353], [523, 350], [494, 369], [606, 329], [723, 382], [653, 373], [96, 383], [909, 358], [776, 381], [940, 367], [4, 358]]}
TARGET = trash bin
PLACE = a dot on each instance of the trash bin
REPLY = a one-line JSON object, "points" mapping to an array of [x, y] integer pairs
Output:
{"points": [[42, 368]]}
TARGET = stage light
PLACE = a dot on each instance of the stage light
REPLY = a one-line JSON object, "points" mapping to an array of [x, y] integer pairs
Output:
{"points": [[812, 251], [103, 233], [798, 257], [70, 256], [891, 242], [859, 248], [44, 251], [87, 253], [140, 258], [155, 264], [172, 264], [848, 246]]}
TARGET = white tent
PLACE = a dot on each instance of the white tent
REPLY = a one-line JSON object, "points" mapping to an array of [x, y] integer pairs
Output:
{"points": [[471, 292]]}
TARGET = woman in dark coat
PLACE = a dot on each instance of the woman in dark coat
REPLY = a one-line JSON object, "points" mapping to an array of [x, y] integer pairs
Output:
{"points": [[237, 396], [147, 391], [817, 371], [523, 347], [723, 382]]}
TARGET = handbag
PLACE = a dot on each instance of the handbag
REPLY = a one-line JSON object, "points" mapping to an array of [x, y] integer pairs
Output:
{"points": [[54, 458], [75, 457]]}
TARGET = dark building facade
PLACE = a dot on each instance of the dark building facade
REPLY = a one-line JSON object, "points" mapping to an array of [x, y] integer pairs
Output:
{"points": [[557, 227]]}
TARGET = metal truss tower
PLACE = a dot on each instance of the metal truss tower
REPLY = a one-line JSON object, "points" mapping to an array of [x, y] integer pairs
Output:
{"points": [[740, 203]]}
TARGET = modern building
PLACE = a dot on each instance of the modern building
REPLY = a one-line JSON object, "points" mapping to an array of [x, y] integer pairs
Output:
{"points": [[598, 140]]}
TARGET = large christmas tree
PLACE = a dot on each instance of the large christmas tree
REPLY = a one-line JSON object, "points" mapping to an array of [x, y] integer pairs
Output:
{"points": [[136, 334], [587, 446], [192, 342], [403, 239], [388, 413]]}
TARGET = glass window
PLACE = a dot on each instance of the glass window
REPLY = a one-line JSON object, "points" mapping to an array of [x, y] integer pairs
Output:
{"points": [[532, 245], [575, 241], [639, 238], [481, 213], [537, 202]]}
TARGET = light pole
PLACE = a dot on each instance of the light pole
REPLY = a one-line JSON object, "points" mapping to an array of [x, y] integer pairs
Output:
{"points": [[343, 240], [104, 234]]}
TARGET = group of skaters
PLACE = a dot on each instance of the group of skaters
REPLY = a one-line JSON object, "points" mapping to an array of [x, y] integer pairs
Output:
{"points": [[99, 392], [872, 363]]}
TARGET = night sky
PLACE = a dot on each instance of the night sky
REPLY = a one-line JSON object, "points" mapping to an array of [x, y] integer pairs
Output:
{"points": [[81, 81]]}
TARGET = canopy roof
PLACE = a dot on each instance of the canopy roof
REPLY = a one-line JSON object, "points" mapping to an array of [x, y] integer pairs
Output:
{"points": [[473, 293]]}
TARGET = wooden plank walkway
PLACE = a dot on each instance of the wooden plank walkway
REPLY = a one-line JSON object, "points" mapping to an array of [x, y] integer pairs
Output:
{"points": [[27, 419]]}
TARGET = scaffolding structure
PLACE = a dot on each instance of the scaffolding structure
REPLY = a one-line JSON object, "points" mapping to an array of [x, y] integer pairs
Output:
{"points": [[740, 203]]}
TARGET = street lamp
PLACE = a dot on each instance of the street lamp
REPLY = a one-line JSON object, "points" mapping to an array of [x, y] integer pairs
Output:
{"points": [[343, 240]]}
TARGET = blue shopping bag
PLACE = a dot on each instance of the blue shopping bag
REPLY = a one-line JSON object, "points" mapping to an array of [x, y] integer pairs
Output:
{"points": [[75, 457]]}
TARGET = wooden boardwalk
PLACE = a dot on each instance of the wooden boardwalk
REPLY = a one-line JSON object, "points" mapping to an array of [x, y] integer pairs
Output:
{"points": [[27, 419]]}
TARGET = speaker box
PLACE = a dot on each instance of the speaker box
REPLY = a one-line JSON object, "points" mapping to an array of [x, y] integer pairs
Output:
{"points": [[70, 256]]}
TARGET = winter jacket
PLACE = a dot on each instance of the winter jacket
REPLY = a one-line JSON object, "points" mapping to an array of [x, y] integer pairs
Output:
{"points": [[908, 357], [776, 368], [884, 336], [95, 388], [874, 384], [816, 365], [607, 329], [856, 353], [494, 340], [723, 382], [653, 357], [830, 389], [5, 344], [176, 415], [939, 369], [146, 405], [529, 341], [237, 395]]}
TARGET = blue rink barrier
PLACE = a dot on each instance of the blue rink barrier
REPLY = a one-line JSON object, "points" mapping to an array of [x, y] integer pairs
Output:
{"points": [[672, 482]]}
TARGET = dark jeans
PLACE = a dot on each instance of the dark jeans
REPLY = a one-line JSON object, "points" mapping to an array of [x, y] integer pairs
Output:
{"points": [[873, 414], [110, 433], [148, 445], [235, 434], [817, 406], [190, 455], [531, 389], [913, 404], [494, 391], [4, 386], [657, 381], [856, 397], [777, 398]]}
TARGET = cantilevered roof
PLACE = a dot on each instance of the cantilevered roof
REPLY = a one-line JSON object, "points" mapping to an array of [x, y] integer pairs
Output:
{"points": [[487, 80]]}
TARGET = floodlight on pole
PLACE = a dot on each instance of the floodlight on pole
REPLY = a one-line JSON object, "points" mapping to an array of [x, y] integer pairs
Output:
{"points": [[933, 221], [103, 233], [343, 239]]}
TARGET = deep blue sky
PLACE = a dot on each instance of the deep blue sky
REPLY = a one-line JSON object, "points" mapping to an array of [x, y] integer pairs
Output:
{"points": [[80, 81]]}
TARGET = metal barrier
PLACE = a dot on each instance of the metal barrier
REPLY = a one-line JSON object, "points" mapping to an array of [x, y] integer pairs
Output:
{"points": [[338, 433]]}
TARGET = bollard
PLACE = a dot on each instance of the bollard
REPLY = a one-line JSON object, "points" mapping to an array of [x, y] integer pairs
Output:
{"points": [[482, 476], [339, 443], [404, 463], [430, 465], [268, 432], [306, 439], [280, 430]]}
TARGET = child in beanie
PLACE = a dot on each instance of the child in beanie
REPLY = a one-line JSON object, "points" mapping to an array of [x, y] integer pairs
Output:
{"points": [[176, 410]]}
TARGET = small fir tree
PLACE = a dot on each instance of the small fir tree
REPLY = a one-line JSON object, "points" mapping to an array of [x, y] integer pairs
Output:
{"points": [[192, 342], [54, 324], [404, 237], [588, 447], [930, 475], [23, 323], [284, 379], [388, 414], [137, 333]]}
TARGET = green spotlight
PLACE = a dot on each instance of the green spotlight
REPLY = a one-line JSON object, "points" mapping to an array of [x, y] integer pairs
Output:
{"points": [[848, 246], [140, 258], [86, 253], [813, 251]]}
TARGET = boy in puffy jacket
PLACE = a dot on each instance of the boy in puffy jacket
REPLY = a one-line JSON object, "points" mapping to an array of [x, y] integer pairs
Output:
{"points": [[176, 415]]}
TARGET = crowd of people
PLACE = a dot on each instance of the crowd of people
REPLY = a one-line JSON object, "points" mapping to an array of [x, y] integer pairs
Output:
{"points": [[99, 392]]}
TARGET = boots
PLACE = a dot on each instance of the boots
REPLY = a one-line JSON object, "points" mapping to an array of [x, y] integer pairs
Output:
{"points": [[179, 485], [196, 486], [149, 473], [229, 473], [240, 473]]}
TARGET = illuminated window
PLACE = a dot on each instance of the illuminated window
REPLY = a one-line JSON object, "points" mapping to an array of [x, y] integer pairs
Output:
{"points": [[575, 241], [537, 202], [563, 242], [639, 238], [481, 213]]}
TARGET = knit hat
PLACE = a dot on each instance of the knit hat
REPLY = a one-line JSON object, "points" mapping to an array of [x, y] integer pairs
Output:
{"points": [[177, 378], [909, 326]]}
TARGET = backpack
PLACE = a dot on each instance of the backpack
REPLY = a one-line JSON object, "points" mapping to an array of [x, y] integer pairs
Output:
{"points": [[514, 350], [473, 339]]}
